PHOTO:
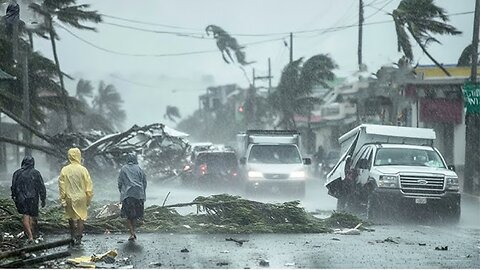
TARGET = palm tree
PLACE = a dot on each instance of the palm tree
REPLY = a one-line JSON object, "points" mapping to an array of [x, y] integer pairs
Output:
{"points": [[84, 90], [108, 103], [465, 58], [171, 113], [421, 19], [69, 13], [293, 94]]}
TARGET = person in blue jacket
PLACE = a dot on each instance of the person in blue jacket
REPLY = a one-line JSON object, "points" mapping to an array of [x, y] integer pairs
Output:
{"points": [[132, 183]]}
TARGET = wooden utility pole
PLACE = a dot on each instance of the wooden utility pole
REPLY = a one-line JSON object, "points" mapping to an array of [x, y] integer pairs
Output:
{"points": [[269, 77], [360, 33], [472, 121], [291, 47]]}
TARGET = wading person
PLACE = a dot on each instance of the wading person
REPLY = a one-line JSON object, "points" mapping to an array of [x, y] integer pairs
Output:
{"points": [[132, 183], [27, 190], [76, 192]]}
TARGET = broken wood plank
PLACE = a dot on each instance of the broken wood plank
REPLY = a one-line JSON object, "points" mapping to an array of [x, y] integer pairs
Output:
{"points": [[32, 261], [239, 242], [19, 251]]}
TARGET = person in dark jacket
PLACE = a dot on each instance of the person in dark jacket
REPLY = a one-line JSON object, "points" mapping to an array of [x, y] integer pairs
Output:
{"points": [[132, 183], [27, 189]]}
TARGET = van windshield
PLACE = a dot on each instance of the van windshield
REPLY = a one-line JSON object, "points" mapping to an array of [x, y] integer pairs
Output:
{"points": [[274, 154], [408, 157]]}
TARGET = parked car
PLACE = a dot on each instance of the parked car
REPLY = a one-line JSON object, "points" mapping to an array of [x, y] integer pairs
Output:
{"points": [[212, 168]]}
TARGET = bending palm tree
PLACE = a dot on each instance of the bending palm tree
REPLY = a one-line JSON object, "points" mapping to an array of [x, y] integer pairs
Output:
{"points": [[296, 84], [68, 12], [108, 103], [171, 113], [421, 19]]}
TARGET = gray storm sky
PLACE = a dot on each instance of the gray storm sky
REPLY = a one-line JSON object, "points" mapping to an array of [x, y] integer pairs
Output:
{"points": [[149, 84]]}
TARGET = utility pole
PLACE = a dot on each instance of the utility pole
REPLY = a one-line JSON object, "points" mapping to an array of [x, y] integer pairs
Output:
{"points": [[269, 77], [472, 121], [291, 47], [360, 33], [13, 14]]}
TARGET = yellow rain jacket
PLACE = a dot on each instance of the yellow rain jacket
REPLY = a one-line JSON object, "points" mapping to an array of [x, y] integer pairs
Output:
{"points": [[76, 189]]}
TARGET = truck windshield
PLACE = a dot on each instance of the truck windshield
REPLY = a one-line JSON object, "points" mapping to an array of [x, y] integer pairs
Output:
{"points": [[274, 154], [408, 157]]}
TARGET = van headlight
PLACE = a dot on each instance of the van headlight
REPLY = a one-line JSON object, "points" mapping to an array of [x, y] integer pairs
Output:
{"points": [[452, 183], [255, 174], [388, 181], [298, 174]]}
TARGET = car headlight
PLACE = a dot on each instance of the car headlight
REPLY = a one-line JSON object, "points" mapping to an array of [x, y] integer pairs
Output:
{"points": [[452, 183], [388, 181], [255, 174], [297, 174]]}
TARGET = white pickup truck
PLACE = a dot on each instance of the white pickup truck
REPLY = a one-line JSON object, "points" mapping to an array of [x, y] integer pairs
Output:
{"points": [[389, 168], [271, 160]]}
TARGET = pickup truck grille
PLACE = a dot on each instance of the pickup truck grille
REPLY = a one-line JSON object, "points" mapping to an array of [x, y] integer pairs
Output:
{"points": [[421, 185], [275, 176]]}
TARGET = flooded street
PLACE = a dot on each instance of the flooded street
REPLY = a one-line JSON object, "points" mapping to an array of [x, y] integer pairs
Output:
{"points": [[408, 244]]}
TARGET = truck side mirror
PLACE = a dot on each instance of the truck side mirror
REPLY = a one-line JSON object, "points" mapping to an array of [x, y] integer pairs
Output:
{"points": [[243, 160], [451, 167], [307, 161]]}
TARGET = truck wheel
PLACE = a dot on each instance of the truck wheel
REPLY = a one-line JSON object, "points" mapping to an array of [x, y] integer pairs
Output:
{"points": [[373, 209], [452, 213]]}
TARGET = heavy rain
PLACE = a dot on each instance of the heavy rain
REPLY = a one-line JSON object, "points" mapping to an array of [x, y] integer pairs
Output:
{"points": [[248, 134]]}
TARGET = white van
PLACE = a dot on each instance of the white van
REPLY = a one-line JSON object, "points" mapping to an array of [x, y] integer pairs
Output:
{"points": [[271, 159]]}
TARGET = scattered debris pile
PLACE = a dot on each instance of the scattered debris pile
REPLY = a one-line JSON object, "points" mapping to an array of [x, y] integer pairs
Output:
{"points": [[159, 152], [215, 214]]}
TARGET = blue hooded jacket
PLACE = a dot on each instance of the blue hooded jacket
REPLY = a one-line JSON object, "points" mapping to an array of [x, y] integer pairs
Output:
{"points": [[132, 181]]}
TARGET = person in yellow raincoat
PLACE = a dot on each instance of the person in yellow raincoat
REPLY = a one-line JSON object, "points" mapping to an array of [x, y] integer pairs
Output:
{"points": [[76, 192]]}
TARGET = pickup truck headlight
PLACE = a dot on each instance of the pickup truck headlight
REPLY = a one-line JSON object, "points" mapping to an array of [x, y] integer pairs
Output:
{"points": [[298, 174], [255, 174], [388, 181], [452, 183]]}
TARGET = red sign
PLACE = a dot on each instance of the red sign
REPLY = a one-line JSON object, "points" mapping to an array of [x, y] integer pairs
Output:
{"points": [[441, 110]]}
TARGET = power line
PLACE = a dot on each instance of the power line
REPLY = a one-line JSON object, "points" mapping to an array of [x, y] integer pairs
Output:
{"points": [[378, 10], [148, 23], [155, 55], [325, 30], [134, 83], [132, 54], [180, 34], [248, 34]]}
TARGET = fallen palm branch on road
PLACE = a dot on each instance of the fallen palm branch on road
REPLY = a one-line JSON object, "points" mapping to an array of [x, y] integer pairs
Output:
{"points": [[215, 214]]}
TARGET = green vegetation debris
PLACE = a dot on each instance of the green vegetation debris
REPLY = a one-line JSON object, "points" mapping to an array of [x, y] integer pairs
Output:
{"points": [[215, 214]]}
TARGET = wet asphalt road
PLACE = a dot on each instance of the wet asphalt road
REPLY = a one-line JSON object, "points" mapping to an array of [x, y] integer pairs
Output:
{"points": [[413, 244]]}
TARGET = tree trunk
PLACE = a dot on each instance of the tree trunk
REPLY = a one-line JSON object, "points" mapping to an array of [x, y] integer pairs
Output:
{"points": [[360, 33], [428, 54], [26, 125], [60, 76], [45, 149]]}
